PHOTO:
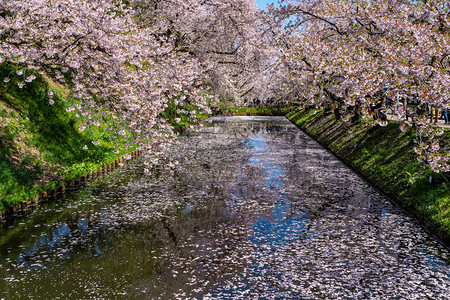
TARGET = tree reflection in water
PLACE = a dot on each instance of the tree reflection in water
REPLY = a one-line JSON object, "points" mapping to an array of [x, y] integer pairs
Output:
{"points": [[255, 209]]}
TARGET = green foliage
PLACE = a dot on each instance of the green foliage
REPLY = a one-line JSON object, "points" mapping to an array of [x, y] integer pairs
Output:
{"points": [[171, 114], [382, 153], [411, 178]]}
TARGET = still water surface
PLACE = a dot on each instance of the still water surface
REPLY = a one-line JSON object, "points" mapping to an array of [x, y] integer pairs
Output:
{"points": [[255, 209]]}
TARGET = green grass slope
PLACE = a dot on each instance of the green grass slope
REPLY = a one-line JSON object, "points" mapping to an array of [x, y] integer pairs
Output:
{"points": [[385, 156], [40, 145]]}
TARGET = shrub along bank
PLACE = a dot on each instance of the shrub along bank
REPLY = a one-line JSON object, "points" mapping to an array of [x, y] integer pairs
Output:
{"points": [[385, 157]]}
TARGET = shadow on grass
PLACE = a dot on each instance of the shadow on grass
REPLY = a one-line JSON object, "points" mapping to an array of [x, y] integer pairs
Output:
{"points": [[37, 138]]}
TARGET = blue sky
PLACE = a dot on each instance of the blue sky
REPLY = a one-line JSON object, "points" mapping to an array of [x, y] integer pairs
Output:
{"points": [[263, 3]]}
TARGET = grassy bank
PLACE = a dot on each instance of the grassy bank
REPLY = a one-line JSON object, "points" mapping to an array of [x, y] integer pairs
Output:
{"points": [[385, 156], [252, 111], [40, 145]]}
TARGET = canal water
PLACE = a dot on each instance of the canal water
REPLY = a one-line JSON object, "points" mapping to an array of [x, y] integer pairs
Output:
{"points": [[255, 209]]}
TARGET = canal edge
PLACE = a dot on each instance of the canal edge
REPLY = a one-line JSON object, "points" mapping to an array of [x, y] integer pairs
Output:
{"points": [[439, 235], [24, 208]]}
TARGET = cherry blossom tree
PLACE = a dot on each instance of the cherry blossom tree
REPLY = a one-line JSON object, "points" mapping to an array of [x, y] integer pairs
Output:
{"points": [[355, 55], [128, 62], [122, 73], [227, 37]]}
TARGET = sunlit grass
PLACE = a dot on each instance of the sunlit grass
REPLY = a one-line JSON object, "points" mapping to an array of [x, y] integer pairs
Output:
{"points": [[40, 145], [254, 111]]}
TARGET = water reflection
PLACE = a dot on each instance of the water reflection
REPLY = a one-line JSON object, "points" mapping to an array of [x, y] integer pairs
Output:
{"points": [[254, 210]]}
